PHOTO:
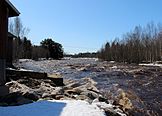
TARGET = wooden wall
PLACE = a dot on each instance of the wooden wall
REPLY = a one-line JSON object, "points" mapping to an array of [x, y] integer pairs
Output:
{"points": [[3, 40], [3, 29]]}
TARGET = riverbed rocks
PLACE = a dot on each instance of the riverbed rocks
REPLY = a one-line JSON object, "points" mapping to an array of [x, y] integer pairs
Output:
{"points": [[141, 84], [23, 92], [85, 89]]}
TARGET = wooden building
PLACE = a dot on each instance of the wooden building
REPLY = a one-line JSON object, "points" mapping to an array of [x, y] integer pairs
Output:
{"points": [[6, 10]]}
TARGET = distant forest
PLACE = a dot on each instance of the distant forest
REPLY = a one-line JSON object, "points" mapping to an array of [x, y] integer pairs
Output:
{"points": [[82, 55], [23, 48], [143, 44]]}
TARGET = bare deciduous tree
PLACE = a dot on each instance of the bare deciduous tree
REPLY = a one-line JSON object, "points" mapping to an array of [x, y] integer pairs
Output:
{"points": [[142, 44]]}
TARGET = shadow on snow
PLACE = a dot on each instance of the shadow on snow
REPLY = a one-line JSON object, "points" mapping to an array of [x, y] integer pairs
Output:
{"points": [[41, 108]]}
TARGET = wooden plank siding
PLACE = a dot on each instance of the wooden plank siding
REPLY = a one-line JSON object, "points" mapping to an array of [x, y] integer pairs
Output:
{"points": [[3, 40], [3, 29]]}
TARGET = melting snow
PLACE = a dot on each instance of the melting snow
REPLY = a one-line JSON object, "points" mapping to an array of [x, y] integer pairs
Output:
{"points": [[53, 108], [151, 64]]}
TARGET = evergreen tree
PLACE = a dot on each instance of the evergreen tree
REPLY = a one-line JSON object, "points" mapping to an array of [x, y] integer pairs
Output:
{"points": [[55, 49]]}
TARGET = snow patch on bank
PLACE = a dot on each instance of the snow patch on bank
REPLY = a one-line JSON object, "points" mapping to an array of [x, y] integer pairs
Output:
{"points": [[53, 108], [81, 108], [151, 64]]}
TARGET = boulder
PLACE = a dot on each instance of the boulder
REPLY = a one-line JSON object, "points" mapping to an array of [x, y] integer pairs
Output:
{"points": [[14, 86], [78, 90], [58, 97], [102, 99], [74, 91], [14, 99], [124, 101], [90, 94], [72, 85], [58, 90], [109, 112], [31, 96], [81, 97]]}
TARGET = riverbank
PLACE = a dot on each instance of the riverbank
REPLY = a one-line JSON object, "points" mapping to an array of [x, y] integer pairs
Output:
{"points": [[28, 91], [136, 89]]}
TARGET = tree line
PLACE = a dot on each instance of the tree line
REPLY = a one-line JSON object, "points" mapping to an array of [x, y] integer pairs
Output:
{"points": [[23, 48], [85, 55], [143, 44]]}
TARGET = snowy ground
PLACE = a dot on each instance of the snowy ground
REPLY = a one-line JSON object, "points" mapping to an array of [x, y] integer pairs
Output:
{"points": [[53, 108], [152, 64]]}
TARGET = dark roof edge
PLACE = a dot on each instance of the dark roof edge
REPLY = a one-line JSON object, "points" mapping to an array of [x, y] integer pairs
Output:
{"points": [[12, 6], [11, 35]]}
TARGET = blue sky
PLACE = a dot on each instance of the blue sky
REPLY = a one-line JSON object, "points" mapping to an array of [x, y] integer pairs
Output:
{"points": [[85, 25]]}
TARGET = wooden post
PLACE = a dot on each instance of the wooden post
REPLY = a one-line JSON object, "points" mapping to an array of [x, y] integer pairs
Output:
{"points": [[9, 53], [3, 39]]}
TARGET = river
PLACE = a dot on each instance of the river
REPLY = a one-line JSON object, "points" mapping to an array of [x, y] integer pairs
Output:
{"points": [[139, 86]]}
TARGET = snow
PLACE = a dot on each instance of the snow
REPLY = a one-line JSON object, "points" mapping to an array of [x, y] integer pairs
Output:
{"points": [[53, 108], [114, 67], [81, 108], [151, 64], [21, 69], [10, 69], [25, 60]]}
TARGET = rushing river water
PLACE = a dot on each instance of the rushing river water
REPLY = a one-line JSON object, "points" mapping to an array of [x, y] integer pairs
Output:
{"points": [[142, 85]]}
